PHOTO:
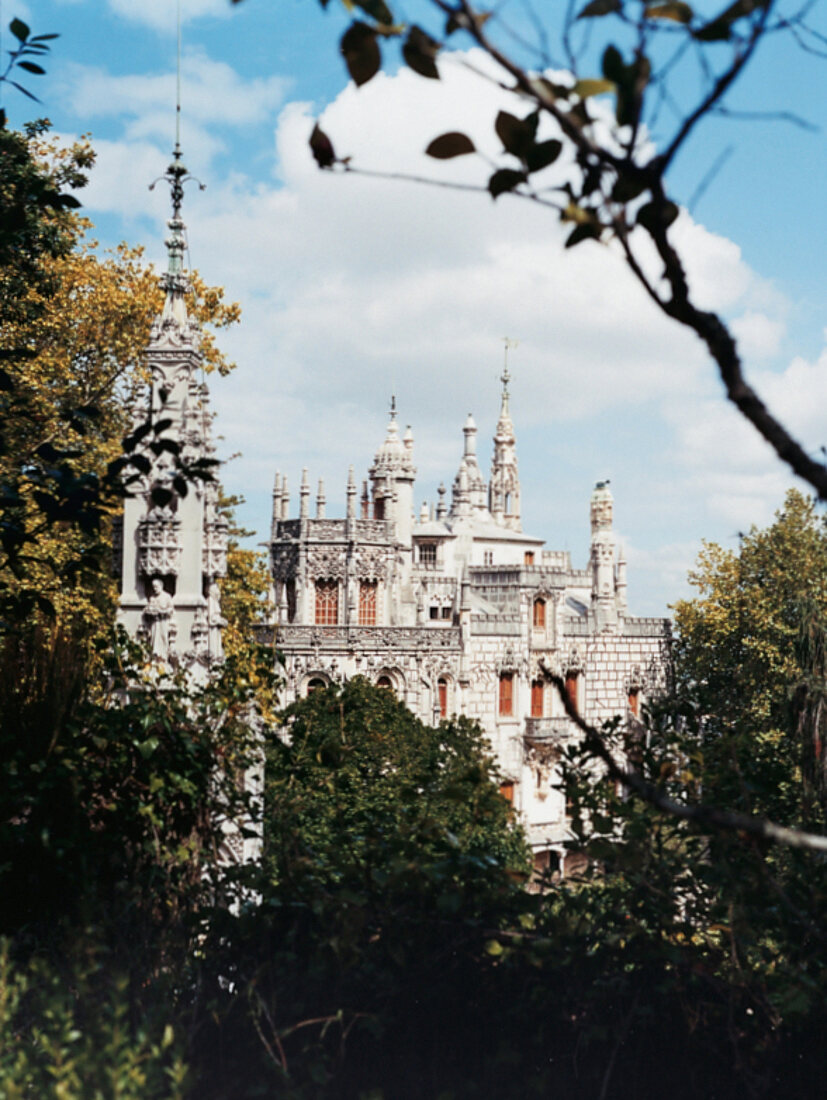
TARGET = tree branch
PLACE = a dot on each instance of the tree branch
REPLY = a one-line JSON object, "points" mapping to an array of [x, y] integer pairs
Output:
{"points": [[700, 814]]}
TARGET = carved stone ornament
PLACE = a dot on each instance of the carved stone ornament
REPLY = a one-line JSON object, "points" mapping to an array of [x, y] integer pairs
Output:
{"points": [[575, 659], [214, 550], [159, 543], [160, 628], [371, 564], [285, 562], [326, 562]]}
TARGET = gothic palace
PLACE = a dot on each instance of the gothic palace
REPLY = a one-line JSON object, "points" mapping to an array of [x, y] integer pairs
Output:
{"points": [[455, 610]]}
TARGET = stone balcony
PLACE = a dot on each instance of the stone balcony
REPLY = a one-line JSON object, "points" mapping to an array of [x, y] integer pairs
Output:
{"points": [[550, 731], [345, 639]]}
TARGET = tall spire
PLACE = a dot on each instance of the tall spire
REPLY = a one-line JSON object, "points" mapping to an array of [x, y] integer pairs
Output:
{"points": [[174, 281], [504, 487]]}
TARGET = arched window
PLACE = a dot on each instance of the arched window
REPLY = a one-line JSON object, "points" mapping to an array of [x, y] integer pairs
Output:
{"points": [[367, 603], [385, 682], [572, 679], [507, 790], [537, 691], [539, 614], [379, 509], [442, 693], [506, 697], [316, 684], [327, 603]]}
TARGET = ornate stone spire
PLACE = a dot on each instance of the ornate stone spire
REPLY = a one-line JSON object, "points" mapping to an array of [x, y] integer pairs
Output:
{"points": [[604, 603], [504, 488]]}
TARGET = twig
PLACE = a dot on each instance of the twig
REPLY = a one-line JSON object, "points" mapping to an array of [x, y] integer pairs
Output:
{"points": [[701, 814]]}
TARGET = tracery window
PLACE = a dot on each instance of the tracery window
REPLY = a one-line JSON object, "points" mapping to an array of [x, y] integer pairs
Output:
{"points": [[539, 615], [506, 698], [327, 603], [367, 603], [537, 690], [442, 693]]}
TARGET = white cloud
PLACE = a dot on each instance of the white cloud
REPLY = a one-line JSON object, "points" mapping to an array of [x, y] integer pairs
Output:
{"points": [[161, 14], [354, 287], [213, 95]]}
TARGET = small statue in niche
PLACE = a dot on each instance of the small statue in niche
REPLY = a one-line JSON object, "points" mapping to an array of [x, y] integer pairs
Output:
{"points": [[216, 621], [158, 611]]}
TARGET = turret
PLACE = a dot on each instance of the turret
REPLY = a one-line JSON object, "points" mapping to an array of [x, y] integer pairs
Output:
{"points": [[174, 546], [604, 604], [392, 478], [504, 488]]}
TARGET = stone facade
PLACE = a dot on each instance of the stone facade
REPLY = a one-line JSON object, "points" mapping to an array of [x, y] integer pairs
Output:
{"points": [[458, 611], [171, 557]]}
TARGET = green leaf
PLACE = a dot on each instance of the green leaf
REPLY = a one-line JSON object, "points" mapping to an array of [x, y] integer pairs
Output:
{"points": [[148, 747], [19, 29], [675, 10], [25, 92], [719, 29], [494, 948], [542, 155], [360, 50], [613, 66], [376, 9], [420, 51], [652, 215], [584, 232], [586, 88], [452, 144], [322, 148], [505, 179], [516, 134], [600, 7]]}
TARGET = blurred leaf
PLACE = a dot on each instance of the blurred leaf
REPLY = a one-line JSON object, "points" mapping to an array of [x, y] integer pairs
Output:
{"points": [[452, 144], [363, 58]]}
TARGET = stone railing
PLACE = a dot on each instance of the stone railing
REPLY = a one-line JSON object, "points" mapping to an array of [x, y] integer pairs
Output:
{"points": [[486, 625], [405, 638], [647, 628], [550, 730], [577, 628]]}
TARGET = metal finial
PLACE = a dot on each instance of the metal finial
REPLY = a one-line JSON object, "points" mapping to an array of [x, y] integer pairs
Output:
{"points": [[393, 406], [505, 377], [176, 176]]}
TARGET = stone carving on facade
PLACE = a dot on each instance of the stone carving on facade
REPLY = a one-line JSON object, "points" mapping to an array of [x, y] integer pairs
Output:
{"points": [[214, 550], [158, 615], [285, 561], [574, 660], [326, 562], [159, 543], [371, 564], [216, 622], [199, 637]]}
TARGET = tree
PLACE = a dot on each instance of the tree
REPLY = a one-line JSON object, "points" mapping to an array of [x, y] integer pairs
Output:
{"points": [[390, 861], [750, 651], [615, 184]]}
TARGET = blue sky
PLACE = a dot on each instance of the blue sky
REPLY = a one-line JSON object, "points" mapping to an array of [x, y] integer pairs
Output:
{"points": [[352, 288]]}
